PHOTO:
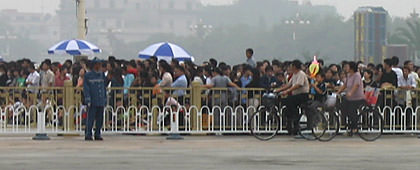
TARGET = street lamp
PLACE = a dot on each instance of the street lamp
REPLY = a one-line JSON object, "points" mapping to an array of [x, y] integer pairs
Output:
{"points": [[201, 29], [297, 20]]}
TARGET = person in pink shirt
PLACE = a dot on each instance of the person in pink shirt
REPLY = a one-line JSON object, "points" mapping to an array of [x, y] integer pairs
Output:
{"points": [[353, 87], [81, 76]]}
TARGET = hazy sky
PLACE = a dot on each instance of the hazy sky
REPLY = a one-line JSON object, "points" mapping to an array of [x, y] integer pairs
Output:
{"points": [[345, 7]]}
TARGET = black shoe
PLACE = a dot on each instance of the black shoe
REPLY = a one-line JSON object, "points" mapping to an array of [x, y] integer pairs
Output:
{"points": [[99, 138], [88, 138]]}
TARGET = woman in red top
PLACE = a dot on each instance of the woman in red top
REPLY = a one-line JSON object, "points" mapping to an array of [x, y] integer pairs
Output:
{"points": [[60, 78]]}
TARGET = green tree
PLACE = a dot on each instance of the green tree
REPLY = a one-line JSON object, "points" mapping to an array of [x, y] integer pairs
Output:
{"points": [[409, 35]]}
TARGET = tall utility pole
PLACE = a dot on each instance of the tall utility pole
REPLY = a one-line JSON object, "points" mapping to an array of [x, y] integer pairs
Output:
{"points": [[81, 19], [81, 34], [81, 24]]}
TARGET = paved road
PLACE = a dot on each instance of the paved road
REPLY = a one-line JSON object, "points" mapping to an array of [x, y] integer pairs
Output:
{"points": [[208, 152]]}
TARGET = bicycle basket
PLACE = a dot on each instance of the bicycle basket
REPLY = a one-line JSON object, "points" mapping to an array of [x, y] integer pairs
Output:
{"points": [[269, 100], [331, 100]]}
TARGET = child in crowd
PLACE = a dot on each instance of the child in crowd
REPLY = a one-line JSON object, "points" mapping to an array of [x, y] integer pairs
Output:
{"points": [[319, 88]]}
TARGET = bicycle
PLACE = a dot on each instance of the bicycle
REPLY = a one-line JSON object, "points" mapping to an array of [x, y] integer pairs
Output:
{"points": [[369, 125], [265, 123]]}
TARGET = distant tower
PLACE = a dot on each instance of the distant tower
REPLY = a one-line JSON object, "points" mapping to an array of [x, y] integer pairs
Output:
{"points": [[414, 14], [370, 34]]}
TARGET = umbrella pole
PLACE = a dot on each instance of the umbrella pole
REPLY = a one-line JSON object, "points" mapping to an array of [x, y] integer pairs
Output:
{"points": [[78, 58]]}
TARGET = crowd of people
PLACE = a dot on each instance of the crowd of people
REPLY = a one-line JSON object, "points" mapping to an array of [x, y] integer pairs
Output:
{"points": [[352, 77], [211, 73]]}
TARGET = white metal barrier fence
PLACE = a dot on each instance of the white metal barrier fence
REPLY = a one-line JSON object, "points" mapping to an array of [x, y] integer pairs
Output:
{"points": [[165, 120]]}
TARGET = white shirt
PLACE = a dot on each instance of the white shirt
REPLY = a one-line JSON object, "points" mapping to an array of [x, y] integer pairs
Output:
{"points": [[68, 75], [398, 71], [410, 81], [208, 80], [34, 78], [414, 74], [166, 80]]}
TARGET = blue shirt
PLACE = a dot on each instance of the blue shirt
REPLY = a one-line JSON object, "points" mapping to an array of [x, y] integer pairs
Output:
{"points": [[128, 80], [94, 88], [245, 81], [180, 82]]}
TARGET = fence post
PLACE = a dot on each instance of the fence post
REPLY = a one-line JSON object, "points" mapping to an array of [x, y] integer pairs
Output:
{"points": [[41, 134], [174, 134], [196, 101], [69, 101]]}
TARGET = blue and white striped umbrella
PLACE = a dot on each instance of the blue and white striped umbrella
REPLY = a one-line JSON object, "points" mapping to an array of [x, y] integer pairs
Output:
{"points": [[166, 51], [74, 47]]}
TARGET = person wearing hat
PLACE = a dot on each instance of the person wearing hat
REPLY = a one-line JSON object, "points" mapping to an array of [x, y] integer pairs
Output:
{"points": [[94, 88]]}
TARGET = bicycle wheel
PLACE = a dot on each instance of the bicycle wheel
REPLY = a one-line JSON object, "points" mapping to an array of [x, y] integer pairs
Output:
{"points": [[312, 124], [264, 125], [333, 126], [304, 128], [319, 123], [371, 124]]}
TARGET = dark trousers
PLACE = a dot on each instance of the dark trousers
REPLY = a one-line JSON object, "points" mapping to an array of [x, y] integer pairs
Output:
{"points": [[292, 111], [349, 109], [94, 113]]}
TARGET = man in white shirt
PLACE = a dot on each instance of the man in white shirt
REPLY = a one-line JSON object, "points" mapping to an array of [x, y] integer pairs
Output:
{"points": [[47, 77], [406, 83], [33, 79], [299, 87], [410, 65], [395, 68]]}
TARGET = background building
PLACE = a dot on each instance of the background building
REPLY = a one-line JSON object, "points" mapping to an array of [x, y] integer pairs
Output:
{"points": [[25, 29], [400, 50], [370, 34], [123, 27], [114, 21]]}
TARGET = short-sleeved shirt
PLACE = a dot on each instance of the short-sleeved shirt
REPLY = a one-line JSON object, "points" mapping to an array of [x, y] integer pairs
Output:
{"points": [[300, 79], [180, 82], [398, 71], [390, 77], [34, 79], [21, 82], [220, 81], [166, 80], [320, 96], [351, 81], [410, 81], [251, 62], [47, 78], [59, 81], [371, 83]]}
